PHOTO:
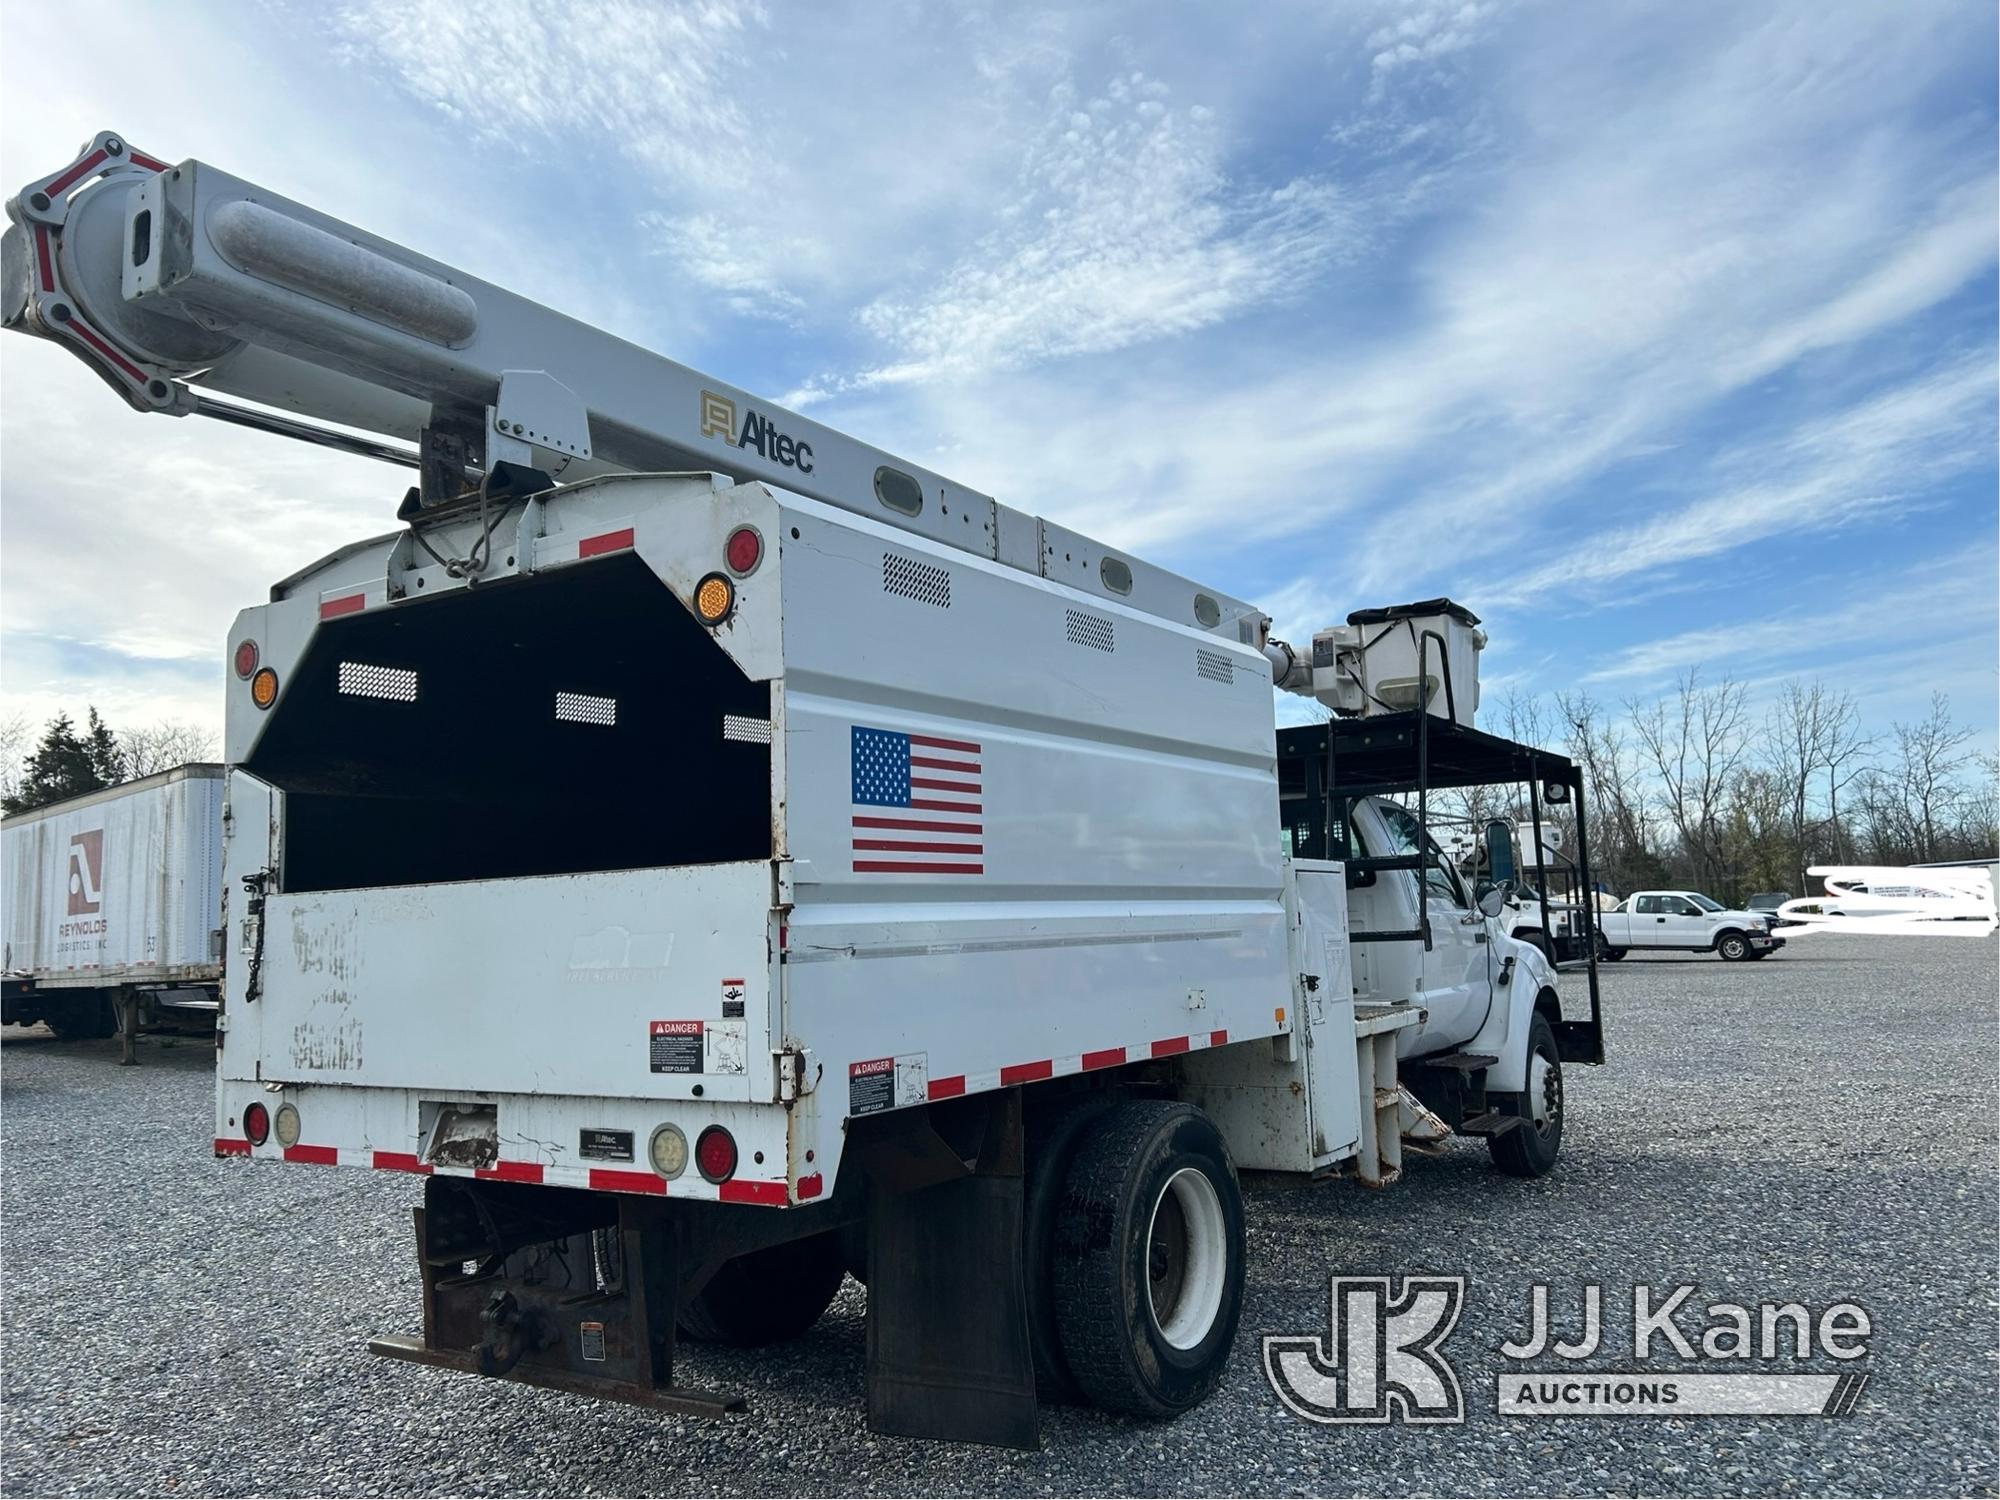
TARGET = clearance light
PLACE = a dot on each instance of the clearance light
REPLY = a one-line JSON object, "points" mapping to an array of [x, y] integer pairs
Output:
{"points": [[256, 1124], [715, 1154], [714, 598], [744, 551], [246, 658], [288, 1125], [669, 1151], [264, 688]]}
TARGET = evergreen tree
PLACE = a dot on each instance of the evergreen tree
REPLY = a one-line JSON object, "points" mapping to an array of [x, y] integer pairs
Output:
{"points": [[68, 764]]}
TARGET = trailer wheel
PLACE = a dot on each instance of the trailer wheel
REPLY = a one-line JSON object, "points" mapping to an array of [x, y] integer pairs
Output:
{"points": [[1052, 1142], [1530, 1148], [88, 1017], [1733, 946], [767, 1295], [1148, 1259]]}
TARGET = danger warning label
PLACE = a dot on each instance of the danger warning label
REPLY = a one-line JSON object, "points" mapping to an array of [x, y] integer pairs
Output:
{"points": [[675, 1046], [887, 1083]]}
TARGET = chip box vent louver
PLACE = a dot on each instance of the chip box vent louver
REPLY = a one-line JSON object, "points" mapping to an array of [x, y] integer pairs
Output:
{"points": [[915, 580], [360, 680], [586, 708], [1213, 665], [746, 730], [1085, 629]]}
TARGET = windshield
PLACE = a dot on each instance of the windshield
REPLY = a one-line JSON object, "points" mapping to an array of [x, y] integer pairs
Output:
{"points": [[1703, 902]]}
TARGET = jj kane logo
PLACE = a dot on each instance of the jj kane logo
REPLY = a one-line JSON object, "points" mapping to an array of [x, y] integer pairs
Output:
{"points": [[757, 433], [86, 872], [1380, 1361], [1381, 1358]]}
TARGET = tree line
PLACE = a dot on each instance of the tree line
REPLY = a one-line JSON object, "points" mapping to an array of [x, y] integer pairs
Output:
{"points": [[1697, 790], [68, 761]]}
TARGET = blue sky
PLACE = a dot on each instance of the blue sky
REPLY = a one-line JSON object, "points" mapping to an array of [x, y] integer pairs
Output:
{"points": [[1661, 336]]}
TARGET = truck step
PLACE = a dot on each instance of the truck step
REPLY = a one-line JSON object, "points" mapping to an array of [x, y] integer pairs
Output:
{"points": [[1459, 1062], [1490, 1123]]}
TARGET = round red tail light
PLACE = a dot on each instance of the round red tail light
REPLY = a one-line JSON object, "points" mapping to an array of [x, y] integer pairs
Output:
{"points": [[256, 1124], [246, 658], [744, 551], [715, 1154]]}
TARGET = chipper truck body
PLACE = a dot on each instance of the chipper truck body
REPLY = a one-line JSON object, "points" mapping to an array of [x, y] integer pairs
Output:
{"points": [[715, 856]]}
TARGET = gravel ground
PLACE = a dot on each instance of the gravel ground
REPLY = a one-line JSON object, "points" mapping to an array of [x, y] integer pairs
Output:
{"points": [[1815, 1127]]}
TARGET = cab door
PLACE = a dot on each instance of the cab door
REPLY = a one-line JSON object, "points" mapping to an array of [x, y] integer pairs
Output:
{"points": [[1456, 965], [1687, 924]]}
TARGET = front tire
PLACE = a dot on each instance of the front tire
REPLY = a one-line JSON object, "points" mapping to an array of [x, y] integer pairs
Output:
{"points": [[1734, 947], [768, 1295], [1148, 1259], [1531, 1147]]}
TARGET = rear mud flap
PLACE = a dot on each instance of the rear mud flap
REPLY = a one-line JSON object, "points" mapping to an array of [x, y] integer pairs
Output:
{"points": [[948, 1350]]}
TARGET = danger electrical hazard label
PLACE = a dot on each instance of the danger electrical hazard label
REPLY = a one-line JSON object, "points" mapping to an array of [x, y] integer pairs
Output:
{"points": [[887, 1083], [674, 1046]]}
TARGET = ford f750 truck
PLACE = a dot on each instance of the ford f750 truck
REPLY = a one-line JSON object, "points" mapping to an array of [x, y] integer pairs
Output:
{"points": [[712, 856]]}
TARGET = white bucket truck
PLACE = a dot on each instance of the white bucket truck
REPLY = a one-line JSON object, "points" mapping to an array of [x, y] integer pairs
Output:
{"points": [[759, 858]]}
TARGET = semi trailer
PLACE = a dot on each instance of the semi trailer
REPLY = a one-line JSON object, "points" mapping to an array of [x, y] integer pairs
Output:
{"points": [[716, 857], [112, 908]]}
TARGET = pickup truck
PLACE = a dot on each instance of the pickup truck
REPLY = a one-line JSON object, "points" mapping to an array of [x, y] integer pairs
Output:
{"points": [[1686, 922]]}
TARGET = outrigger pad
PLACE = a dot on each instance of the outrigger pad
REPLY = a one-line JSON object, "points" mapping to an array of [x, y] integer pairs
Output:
{"points": [[948, 1354]]}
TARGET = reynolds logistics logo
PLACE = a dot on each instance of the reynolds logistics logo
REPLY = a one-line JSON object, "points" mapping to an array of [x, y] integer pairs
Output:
{"points": [[86, 872]]}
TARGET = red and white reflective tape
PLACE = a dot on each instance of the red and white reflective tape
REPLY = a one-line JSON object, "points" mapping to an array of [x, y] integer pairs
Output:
{"points": [[564, 547], [954, 1085], [349, 600], [774, 1194]]}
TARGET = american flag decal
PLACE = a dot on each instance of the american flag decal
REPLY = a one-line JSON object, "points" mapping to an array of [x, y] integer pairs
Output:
{"points": [[918, 805]]}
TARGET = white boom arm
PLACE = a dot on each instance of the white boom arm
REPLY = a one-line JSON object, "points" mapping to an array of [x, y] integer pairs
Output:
{"points": [[181, 283]]}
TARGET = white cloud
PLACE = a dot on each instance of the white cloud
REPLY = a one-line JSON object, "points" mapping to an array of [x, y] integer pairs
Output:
{"points": [[1124, 227], [1866, 463], [661, 81]]}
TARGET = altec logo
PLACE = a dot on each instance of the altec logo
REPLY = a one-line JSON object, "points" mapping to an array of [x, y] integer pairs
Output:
{"points": [[86, 872], [758, 433]]}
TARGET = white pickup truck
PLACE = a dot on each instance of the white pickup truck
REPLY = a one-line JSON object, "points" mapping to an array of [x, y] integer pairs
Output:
{"points": [[1684, 922]]}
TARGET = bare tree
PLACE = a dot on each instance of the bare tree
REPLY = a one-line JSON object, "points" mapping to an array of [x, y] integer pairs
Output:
{"points": [[1620, 826], [1915, 799], [1696, 743], [1812, 730], [16, 735], [164, 745]]}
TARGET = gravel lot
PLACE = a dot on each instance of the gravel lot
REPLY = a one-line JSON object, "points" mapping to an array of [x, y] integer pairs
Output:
{"points": [[1814, 1127]]}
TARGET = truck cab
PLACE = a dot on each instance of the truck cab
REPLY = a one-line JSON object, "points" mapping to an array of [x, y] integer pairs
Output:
{"points": [[1685, 922]]}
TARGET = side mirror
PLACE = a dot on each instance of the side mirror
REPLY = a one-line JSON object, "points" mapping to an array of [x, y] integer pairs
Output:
{"points": [[1492, 901], [1500, 852]]}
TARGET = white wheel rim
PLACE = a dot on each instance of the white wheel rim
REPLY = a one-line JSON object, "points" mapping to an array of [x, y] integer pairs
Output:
{"points": [[1193, 1240], [1541, 1106]]}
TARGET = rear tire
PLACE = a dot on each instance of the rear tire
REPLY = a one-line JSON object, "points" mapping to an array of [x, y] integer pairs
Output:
{"points": [[1531, 1147], [768, 1295], [1733, 947], [1053, 1139], [1148, 1259], [89, 1017]]}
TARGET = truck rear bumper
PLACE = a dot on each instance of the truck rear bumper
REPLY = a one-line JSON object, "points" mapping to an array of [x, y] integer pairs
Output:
{"points": [[598, 1144]]}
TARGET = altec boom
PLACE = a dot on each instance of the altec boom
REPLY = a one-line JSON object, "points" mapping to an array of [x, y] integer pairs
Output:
{"points": [[698, 835]]}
